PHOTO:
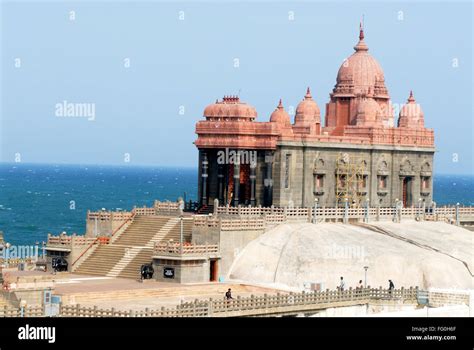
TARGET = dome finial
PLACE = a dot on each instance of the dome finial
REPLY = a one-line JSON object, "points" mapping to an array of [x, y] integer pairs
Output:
{"points": [[411, 98], [280, 104], [361, 31], [308, 93], [361, 45]]}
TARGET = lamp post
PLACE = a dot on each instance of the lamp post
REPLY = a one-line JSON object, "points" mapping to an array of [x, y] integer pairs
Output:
{"points": [[315, 210], [181, 235], [395, 216], [457, 214], [365, 280], [367, 204], [346, 210], [419, 208]]}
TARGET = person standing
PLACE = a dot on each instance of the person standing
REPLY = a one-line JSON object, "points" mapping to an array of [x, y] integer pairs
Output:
{"points": [[342, 285], [359, 287]]}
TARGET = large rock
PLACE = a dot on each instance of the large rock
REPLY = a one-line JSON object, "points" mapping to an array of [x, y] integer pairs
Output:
{"points": [[424, 254]]}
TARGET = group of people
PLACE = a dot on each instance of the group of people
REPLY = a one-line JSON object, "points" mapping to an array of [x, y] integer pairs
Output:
{"points": [[342, 285]]}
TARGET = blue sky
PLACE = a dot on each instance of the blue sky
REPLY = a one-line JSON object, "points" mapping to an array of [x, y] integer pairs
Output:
{"points": [[148, 110]]}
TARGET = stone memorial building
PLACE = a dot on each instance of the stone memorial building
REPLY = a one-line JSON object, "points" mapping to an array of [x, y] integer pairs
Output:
{"points": [[360, 154]]}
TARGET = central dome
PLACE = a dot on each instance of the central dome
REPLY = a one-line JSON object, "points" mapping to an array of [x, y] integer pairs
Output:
{"points": [[360, 73]]}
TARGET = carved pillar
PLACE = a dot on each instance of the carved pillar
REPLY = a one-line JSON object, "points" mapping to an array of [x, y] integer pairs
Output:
{"points": [[236, 179], [253, 178], [268, 180], [220, 183], [204, 176]]}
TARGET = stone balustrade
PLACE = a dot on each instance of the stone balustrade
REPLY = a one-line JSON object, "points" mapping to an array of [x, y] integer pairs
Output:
{"points": [[176, 249], [280, 303], [63, 240], [109, 215], [144, 211]]}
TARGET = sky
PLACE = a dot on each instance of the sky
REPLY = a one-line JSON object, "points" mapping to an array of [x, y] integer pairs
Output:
{"points": [[146, 71]]}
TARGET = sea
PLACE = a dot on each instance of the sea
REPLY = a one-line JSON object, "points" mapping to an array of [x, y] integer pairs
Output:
{"points": [[37, 199]]}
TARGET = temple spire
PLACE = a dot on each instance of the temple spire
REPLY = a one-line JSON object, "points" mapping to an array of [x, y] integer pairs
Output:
{"points": [[308, 93], [361, 31], [361, 45], [280, 104]]}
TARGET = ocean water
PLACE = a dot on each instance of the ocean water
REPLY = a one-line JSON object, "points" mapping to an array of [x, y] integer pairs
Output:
{"points": [[37, 199]]}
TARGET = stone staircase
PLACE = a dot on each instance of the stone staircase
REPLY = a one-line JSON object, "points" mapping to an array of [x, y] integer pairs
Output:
{"points": [[132, 270], [102, 260], [126, 253]]}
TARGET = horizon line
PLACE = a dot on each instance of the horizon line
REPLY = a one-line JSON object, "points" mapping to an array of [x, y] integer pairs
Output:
{"points": [[155, 165]]}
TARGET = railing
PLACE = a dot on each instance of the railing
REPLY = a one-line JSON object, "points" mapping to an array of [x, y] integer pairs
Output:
{"points": [[242, 224], [289, 303], [109, 215], [237, 224], [65, 240], [185, 249], [339, 212], [165, 207], [144, 211], [205, 221], [31, 311]]}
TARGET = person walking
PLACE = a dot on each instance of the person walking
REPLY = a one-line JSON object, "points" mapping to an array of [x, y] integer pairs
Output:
{"points": [[391, 287], [359, 287], [228, 295], [342, 285]]}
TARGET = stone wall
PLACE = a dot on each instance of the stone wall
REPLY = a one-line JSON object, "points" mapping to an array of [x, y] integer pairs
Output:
{"points": [[440, 297], [231, 243], [185, 271], [314, 158]]}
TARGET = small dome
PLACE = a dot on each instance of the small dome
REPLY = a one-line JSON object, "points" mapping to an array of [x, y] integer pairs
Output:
{"points": [[411, 114], [307, 110], [280, 116], [361, 72], [230, 107], [368, 112]]}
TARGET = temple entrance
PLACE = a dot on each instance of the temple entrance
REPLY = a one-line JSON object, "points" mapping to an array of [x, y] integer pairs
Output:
{"points": [[406, 191], [244, 185], [213, 270]]}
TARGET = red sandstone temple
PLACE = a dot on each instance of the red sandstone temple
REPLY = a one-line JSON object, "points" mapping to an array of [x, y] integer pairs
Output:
{"points": [[358, 155]]}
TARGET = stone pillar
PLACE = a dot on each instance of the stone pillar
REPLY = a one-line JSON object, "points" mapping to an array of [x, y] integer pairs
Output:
{"points": [[268, 180], [204, 176], [253, 178], [216, 206], [236, 179], [220, 183]]}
